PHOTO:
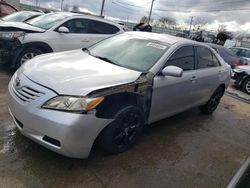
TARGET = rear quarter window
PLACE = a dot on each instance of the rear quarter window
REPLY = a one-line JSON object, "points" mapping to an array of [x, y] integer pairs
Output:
{"points": [[205, 58], [97, 27]]}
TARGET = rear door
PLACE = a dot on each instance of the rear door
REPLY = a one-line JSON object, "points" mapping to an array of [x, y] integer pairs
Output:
{"points": [[98, 31], [209, 72], [172, 95]]}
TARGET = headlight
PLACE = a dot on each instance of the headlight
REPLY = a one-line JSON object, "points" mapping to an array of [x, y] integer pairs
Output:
{"points": [[72, 104], [11, 35]]}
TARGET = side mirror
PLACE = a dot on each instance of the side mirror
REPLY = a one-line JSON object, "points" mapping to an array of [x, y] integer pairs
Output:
{"points": [[172, 71], [63, 30]]}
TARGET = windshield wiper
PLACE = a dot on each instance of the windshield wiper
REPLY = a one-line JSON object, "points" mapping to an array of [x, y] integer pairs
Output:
{"points": [[107, 60]]}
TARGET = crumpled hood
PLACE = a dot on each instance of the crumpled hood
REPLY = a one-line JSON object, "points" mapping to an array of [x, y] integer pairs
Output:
{"points": [[75, 73], [245, 68], [18, 26]]}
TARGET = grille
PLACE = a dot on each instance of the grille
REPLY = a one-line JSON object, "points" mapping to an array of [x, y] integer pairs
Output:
{"points": [[26, 94]]}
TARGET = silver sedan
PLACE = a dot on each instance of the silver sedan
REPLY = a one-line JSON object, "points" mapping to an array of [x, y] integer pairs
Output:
{"points": [[107, 93]]}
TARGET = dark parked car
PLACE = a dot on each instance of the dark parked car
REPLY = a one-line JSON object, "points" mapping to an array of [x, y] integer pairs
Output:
{"points": [[6, 8], [242, 52], [143, 27], [229, 57]]}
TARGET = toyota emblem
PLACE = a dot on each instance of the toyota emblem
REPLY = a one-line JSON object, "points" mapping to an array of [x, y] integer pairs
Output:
{"points": [[17, 82]]}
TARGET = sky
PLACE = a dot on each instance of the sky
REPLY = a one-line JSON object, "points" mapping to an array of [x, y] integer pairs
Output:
{"points": [[234, 14]]}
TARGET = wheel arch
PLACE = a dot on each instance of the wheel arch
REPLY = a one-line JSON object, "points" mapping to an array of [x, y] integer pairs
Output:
{"points": [[117, 101], [245, 77], [114, 103], [223, 86], [42, 46]]}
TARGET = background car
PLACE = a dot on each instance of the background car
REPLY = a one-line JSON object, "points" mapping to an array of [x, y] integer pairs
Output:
{"points": [[242, 78], [143, 27], [6, 9], [242, 52], [21, 16], [229, 57], [182, 35], [108, 92], [53, 32]]}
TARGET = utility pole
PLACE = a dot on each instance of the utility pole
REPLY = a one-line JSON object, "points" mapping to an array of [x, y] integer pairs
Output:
{"points": [[191, 23], [150, 13], [62, 5], [103, 3], [36, 3]]}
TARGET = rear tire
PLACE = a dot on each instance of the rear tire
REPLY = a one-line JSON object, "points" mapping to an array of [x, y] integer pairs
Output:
{"points": [[27, 54], [246, 86], [123, 132], [213, 102]]}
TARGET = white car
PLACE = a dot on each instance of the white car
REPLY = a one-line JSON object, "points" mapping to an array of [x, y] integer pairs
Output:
{"points": [[107, 93], [53, 32]]}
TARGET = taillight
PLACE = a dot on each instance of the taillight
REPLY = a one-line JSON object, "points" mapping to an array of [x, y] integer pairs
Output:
{"points": [[237, 63]]}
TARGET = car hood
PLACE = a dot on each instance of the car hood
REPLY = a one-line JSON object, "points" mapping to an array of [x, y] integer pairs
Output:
{"points": [[75, 73], [245, 68], [18, 26]]}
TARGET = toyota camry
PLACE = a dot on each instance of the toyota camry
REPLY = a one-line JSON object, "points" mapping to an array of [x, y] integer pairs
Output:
{"points": [[108, 92]]}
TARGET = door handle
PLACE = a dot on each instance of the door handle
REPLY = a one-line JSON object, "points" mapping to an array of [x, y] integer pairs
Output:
{"points": [[86, 40], [193, 79]]}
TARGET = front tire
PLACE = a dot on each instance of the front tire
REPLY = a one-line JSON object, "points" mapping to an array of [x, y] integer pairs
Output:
{"points": [[246, 86], [123, 132], [27, 54], [213, 102]]}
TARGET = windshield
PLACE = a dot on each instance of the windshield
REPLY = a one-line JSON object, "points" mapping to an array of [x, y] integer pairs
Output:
{"points": [[226, 52], [129, 51], [18, 17], [47, 21]]}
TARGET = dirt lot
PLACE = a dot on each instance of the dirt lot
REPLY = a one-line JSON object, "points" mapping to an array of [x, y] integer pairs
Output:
{"points": [[187, 150]]}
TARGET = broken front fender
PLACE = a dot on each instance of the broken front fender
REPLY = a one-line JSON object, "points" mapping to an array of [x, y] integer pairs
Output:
{"points": [[8, 47]]}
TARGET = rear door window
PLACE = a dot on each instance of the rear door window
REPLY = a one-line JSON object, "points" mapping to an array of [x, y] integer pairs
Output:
{"points": [[205, 58], [97, 27]]}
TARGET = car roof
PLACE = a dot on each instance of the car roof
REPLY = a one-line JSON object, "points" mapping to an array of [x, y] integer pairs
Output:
{"points": [[72, 14], [169, 39], [215, 45]]}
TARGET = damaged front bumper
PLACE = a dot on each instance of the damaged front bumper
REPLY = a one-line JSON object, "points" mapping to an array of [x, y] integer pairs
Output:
{"points": [[239, 76], [69, 134], [8, 49]]}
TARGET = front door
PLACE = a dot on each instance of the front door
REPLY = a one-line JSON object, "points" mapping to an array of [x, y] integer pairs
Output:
{"points": [[77, 37], [172, 95]]}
